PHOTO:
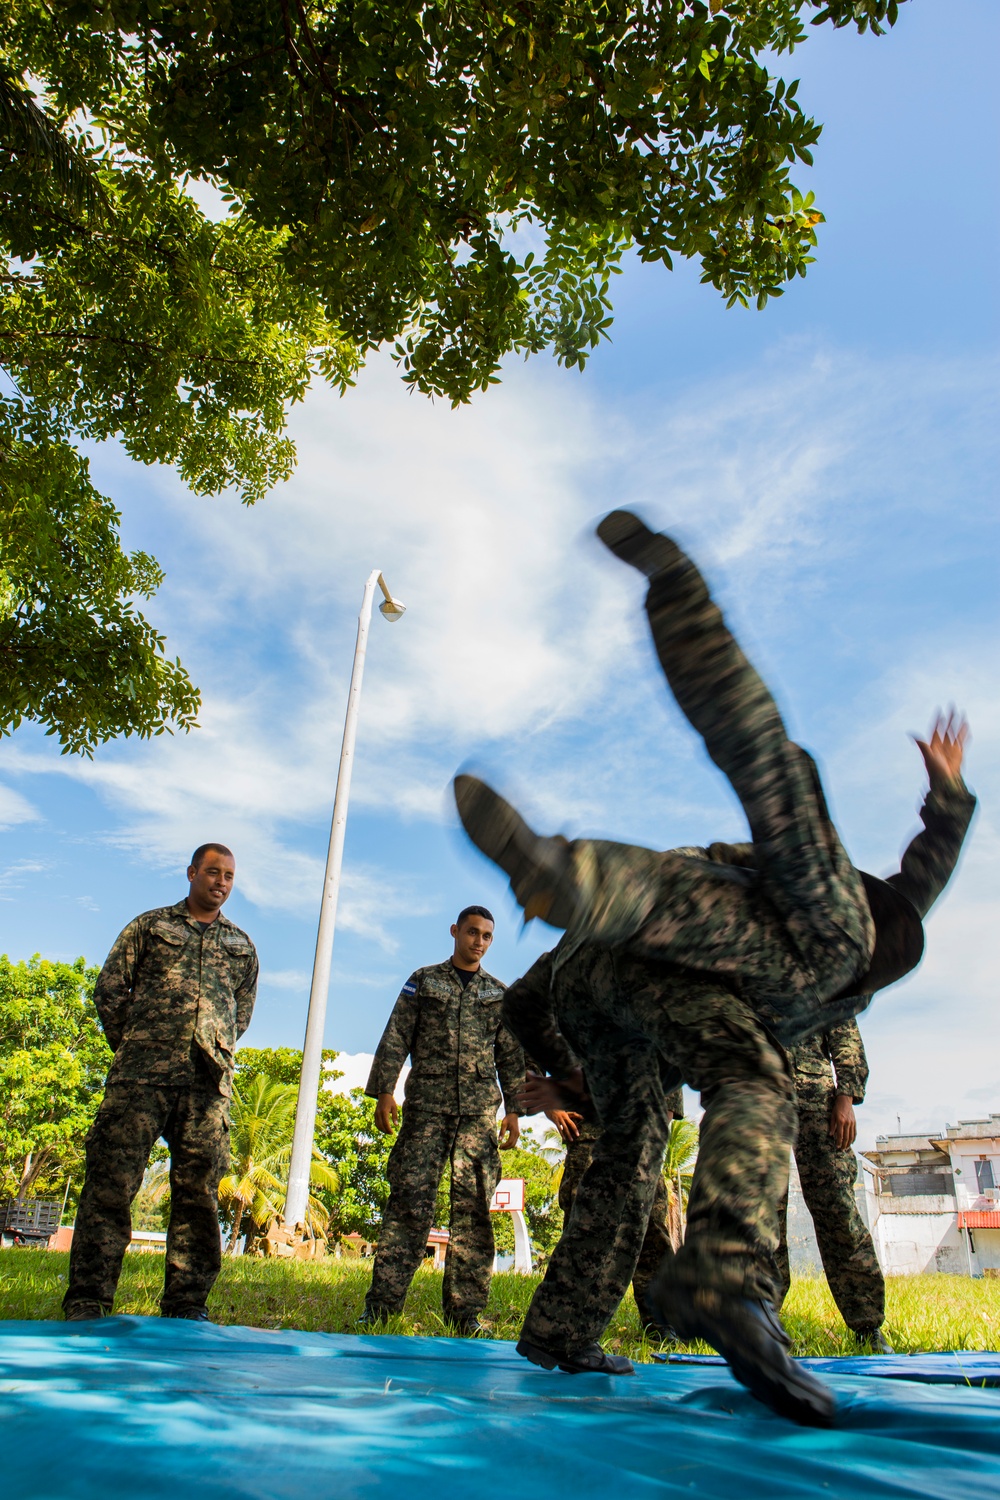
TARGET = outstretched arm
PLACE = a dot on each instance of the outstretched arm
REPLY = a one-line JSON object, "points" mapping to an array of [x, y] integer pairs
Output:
{"points": [[931, 857]]}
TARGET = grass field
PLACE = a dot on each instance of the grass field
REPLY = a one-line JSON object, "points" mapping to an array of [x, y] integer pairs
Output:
{"points": [[924, 1312]]}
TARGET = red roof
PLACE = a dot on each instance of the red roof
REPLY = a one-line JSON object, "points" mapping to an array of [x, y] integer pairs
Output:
{"points": [[978, 1219]]}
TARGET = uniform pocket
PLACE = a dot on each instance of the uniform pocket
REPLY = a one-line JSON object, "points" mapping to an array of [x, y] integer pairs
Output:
{"points": [[164, 932]]}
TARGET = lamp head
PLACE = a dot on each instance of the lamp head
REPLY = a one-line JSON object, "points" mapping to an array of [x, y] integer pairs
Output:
{"points": [[391, 610]]}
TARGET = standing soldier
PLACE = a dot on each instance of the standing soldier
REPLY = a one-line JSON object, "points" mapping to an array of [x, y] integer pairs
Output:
{"points": [[830, 1071], [447, 1020], [176, 993]]}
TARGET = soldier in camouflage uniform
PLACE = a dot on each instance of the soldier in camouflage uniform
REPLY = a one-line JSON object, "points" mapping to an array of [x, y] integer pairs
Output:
{"points": [[830, 1072], [447, 1020], [777, 938], [579, 1154], [174, 996], [638, 1027]]}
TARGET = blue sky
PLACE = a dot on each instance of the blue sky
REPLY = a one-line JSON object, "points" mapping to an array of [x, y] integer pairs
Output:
{"points": [[831, 462]]}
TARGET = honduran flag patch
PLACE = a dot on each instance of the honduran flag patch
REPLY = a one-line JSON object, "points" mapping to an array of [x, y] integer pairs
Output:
{"points": [[409, 988]]}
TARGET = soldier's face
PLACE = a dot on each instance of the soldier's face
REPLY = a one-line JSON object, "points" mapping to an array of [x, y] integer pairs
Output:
{"points": [[471, 941], [212, 880]]}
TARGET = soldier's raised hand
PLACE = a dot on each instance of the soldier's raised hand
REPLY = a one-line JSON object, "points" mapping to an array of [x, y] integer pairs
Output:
{"points": [[944, 747]]}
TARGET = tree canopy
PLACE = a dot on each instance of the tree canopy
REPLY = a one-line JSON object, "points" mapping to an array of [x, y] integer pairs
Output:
{"points": [[458, 182], [53, 1061], [345, 1137]]}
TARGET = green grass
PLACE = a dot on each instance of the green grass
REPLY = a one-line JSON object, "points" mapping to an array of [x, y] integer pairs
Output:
{"points": [[924, 1312]]}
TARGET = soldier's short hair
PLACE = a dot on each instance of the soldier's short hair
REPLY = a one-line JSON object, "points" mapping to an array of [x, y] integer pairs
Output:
{"points": [[473, 911], [203, 849]]}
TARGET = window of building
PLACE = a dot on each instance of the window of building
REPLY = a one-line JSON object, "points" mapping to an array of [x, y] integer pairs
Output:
{"points": [[984, 1175]]}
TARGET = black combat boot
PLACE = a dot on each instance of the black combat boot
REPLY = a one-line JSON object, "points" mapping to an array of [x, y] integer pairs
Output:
{"points": [[631, 540], [749, 1336], [191, 1314], [370, 1317], [539, 869], [468, 1327], [873, 1341], [588, 1360], [84, 1310]]}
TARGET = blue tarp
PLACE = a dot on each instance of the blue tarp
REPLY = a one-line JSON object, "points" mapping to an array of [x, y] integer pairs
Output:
{"points": [[179, 1411]]}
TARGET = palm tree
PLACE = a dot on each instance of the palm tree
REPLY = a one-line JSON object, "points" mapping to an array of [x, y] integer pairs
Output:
{"points": [[678, 1170], [263, 1118], [153, 1197], [31, 136]]}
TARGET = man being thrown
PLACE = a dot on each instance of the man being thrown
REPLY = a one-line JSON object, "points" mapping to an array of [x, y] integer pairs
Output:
{"points": [[773, 939]]}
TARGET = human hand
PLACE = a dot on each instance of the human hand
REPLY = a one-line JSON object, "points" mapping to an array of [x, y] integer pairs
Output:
{"points": [[539, 1095], [944, 747], [386, 1114], [567, 1122], [509, 1132], [843, 1126]]}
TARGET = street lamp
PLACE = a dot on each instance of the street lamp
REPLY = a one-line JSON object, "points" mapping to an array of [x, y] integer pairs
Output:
{"points": [[297, 1196]]}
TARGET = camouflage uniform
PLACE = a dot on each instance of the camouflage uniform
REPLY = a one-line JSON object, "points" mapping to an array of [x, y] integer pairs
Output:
{"points": [[624, 1017], [750, 941], [458, 1046], [828, 1175], [174, 997], [785, 920], [657, 1242]]}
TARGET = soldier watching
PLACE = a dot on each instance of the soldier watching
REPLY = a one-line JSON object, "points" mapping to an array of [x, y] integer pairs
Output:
{"points": [[830, 1072], [447, 1020], [175, 994]]}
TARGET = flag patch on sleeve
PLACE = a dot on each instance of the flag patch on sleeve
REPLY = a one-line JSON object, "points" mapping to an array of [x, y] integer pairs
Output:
{"points": [[409, 988]]}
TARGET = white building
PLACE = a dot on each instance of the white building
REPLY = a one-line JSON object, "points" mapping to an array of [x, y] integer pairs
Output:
{"points": [[933, 1202]]}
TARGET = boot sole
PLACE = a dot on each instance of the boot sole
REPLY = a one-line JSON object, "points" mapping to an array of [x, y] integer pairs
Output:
{"points": [[493, 825], [632, 542], [549, 1361], [780, 1383]]}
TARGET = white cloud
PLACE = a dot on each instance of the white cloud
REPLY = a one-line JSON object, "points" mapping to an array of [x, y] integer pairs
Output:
{"points": [[524, 646], [355, 1068], [284, 979], [12, 876], [15, 809]]}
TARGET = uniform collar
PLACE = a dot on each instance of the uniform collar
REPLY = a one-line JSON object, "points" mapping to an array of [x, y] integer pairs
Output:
{"points": [[479, 973], [181, 910]]}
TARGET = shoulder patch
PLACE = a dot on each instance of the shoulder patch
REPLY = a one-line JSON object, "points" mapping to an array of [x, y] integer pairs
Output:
{"points": [[409, 988]]}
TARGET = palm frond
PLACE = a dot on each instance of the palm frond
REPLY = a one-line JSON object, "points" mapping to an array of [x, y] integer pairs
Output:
{"points": [[29, 134]]}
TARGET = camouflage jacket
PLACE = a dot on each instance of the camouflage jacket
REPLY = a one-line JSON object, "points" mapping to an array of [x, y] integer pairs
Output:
{"points": [[172, 990], [928, 861], [930, 858], [842, 1046], [456, 1041]]}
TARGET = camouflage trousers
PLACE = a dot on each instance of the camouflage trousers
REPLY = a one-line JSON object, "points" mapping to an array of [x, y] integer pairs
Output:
{"points": [[792, 932], [656, 1242], [590, 1268], [637, 1027], [828, 1176], [194, 1121], [426, 1142]]}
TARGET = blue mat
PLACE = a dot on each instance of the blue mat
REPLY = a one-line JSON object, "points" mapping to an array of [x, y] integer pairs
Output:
{"points": [[148, 1409]]}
